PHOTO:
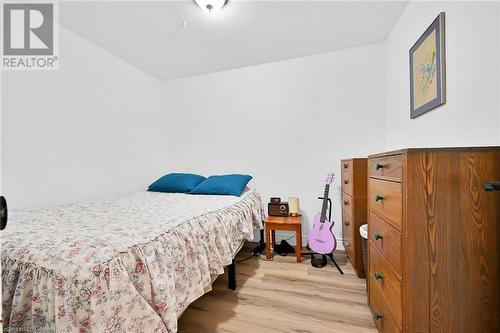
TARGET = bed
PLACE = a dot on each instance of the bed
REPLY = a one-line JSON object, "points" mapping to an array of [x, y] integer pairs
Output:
{"points": [[132, 264]]}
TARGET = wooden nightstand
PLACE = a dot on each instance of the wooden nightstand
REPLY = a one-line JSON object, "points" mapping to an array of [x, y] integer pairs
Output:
{"points": [[291, 223]]}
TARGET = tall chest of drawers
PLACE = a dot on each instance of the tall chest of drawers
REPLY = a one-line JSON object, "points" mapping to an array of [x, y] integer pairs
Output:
{"points": [[354, 184], [434, 240]]}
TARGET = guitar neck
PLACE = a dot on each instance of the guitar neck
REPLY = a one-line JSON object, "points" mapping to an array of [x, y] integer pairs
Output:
{"points": [[325, 203]]}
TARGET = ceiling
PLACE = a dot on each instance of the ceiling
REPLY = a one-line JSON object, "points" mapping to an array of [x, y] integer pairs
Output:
{"points": [[150, 34]]}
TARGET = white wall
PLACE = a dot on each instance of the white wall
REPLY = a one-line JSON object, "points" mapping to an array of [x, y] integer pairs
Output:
{"points": [[1, 116], [93, 129], [97, 127], [286, 123], [471, 115]]}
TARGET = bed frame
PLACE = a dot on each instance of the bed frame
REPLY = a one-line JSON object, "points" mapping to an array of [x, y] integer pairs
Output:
{"points": [[231, 269], [231, 275]]}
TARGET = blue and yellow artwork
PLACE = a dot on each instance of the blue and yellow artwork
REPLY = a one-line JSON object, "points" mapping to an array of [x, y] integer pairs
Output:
{"points": [[427, 69]]}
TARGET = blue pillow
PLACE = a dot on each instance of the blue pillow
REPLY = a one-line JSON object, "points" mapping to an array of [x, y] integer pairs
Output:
{"points": [[222, 185], [176, 183]]}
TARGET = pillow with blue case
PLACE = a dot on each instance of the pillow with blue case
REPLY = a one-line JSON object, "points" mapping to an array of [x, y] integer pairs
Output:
{"points": [[233, 184], [176, 183]]}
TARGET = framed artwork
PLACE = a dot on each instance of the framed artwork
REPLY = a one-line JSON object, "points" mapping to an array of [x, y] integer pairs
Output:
{"points": [[427, 69]]}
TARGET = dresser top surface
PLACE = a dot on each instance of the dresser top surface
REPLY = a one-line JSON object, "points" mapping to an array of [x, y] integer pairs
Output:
{"points": [[420, 150], [353, 159]]}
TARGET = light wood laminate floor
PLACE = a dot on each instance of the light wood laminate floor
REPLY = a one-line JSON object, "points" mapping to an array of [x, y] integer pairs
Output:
{"points": [[283, 296]]}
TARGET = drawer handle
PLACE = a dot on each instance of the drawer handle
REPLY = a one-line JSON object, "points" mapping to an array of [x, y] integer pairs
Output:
{"points": [[379, 198], [346, 182], [378, 236], [492, 186], [346, 202], [378, 276], [379, 166], [346, 165], [346, 222], [378, 315]]}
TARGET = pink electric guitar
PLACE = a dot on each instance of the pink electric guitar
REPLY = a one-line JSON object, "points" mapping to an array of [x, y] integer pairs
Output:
{"points": [[321, 239]]}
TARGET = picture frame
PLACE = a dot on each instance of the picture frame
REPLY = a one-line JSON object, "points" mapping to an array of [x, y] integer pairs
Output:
{"points": [[428, 69]]}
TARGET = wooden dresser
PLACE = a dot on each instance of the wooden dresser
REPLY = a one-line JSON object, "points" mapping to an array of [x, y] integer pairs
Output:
{"points": [[354, 177], [434, 240]]}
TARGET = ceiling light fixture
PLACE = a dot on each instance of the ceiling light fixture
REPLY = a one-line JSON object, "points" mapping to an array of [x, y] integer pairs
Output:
{"points": [[211, 6]]}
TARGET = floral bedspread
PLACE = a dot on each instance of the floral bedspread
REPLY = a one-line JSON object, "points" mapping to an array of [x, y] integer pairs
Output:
{"points": [[132, 264]]}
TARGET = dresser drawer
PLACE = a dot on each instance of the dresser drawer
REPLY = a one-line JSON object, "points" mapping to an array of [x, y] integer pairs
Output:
{"points": [[387, 167], [347, 218], [347, 203], [346, 166], [386, 240], [380, 310], [387, 283], [384, 197], [347, 182], [347, 239], [347, 225], [349, 246]]}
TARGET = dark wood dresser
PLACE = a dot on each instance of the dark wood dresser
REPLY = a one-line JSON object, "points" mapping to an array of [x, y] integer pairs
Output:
{"points": [[354, 177], [434, 240]]}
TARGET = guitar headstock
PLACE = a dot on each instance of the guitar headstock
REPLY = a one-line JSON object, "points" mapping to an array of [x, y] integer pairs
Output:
{"points": [[329, 178]]}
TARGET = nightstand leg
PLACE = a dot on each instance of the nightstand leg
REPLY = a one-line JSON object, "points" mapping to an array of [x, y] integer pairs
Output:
{"points": [[273, 238], [268, 242], [298, 247]]}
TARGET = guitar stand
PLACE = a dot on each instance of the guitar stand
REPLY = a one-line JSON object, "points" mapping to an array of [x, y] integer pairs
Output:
{"points": [[320, 263]]}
